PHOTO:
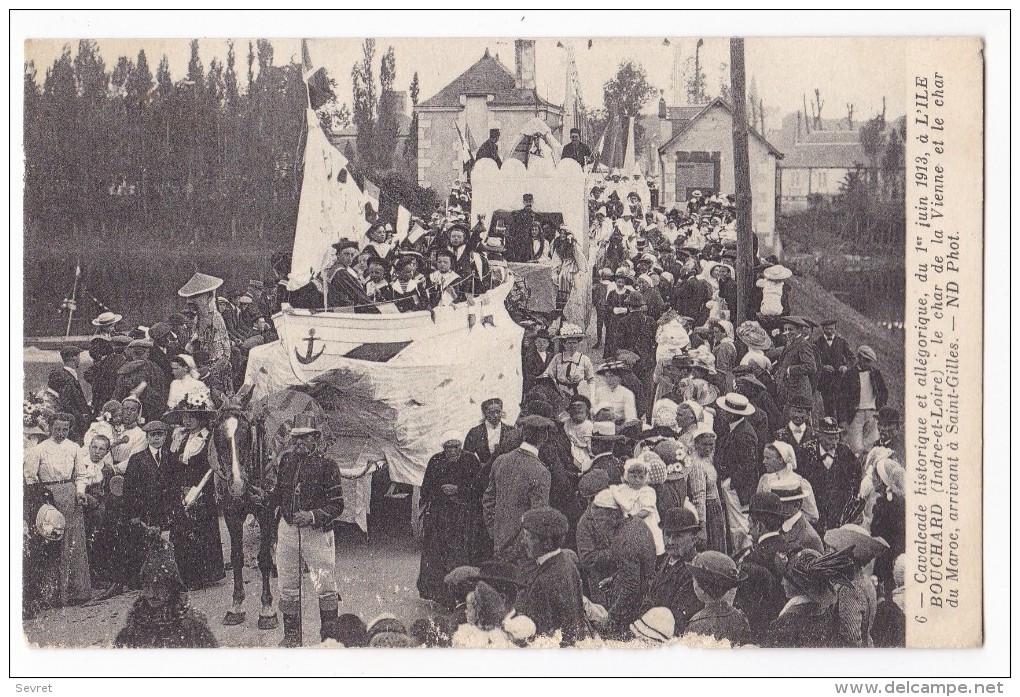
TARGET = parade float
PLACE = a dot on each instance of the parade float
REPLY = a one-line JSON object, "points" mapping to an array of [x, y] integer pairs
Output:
{"points": [[382, 386]]}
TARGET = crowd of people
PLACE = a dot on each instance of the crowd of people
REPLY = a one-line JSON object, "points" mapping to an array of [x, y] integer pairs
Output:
{"points": [[743, 483]]}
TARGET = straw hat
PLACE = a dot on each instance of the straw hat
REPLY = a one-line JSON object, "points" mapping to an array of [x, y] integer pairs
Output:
{"points": [[735, 403], [777, 273], [107, 319]]}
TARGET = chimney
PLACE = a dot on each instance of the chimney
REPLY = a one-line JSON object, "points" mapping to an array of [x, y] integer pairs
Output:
{"points": [[524, 50]]}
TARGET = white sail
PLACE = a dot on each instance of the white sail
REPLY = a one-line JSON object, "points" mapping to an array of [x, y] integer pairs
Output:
{"points": [[331, 206]]}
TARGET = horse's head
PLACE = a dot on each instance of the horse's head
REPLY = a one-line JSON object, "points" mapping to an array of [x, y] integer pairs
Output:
{"points": [[233, 440]]}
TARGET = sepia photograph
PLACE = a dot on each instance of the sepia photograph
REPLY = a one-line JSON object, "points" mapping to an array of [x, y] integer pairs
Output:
{"points": [[544, 341]]}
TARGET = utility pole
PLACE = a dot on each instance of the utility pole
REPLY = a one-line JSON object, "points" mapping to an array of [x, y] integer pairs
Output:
{"points": [[742, 184]]}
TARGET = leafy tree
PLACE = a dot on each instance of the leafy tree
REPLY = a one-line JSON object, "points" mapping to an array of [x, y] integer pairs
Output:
{"points": [[194, 64], [363, 85], [139, 84], [627, 94], [120, 75], [415, 89], [230, 78]]}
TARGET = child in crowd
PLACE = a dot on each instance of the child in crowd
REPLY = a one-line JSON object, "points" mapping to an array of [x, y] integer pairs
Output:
{"points": [[637, 499]]}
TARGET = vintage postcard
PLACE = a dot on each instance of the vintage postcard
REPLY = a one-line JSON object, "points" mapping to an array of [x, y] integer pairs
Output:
{"points": [[502, 342]]}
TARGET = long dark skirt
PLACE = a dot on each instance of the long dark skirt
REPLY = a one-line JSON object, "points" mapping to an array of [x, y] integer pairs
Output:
{"points": [[449, 536], [197, 545]]}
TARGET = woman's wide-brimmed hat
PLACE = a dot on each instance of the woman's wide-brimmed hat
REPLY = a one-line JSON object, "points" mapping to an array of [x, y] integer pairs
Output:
{"points": [[865, 547], [195, 404], [754, 336], [777, 273], [717, 569], [568, 330]]}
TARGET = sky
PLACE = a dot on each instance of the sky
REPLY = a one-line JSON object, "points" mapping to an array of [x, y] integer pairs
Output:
{"points": [[846, 70]]}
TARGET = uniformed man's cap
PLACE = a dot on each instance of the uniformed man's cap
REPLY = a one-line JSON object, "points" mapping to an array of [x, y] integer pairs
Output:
{"points": [[545, 522]]}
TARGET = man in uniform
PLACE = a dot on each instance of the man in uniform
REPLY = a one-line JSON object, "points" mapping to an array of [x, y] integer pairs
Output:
{"points": [[576, 150], [310, 500], [518, 234], [490, 148]]}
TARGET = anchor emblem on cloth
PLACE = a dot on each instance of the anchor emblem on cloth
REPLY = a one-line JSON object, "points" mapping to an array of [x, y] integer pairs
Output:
{"points": [[309, 357]]}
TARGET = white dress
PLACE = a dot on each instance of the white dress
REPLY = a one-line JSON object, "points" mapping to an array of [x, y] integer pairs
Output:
{"points": [[633, 501]]}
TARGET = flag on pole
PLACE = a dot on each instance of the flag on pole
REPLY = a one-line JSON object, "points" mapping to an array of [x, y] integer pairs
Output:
{"points": [[471, 143], [465, 152], [403, 220], [416, 233]]}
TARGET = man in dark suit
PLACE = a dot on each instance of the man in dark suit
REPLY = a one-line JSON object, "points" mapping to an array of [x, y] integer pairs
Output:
{"points": [[144, 379], [553, 599], [834, 359], [576, 150], [831, 469], [102, 374], [149, 506], [797, 430], [633, 555], [536, 358], [673, 584], [490, 148], [70, 397], [736, 451], [737, 461], [796, 529], [517, 483], [762, 597], [488, 439], [796, 369]]}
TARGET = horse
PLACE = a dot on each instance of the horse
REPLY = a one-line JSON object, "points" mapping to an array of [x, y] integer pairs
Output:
{"points": [[244, 480]]}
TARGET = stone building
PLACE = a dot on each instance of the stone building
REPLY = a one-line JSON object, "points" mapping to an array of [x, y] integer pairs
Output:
{"points": [[698, 154], [485, 95]]}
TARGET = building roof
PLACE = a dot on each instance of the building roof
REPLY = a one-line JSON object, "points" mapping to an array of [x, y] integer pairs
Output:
{"points": [[704, 110], [487, 76], [825, 155]]}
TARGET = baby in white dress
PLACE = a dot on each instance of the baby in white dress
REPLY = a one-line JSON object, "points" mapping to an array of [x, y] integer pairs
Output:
{"points": [[637, 499]]}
